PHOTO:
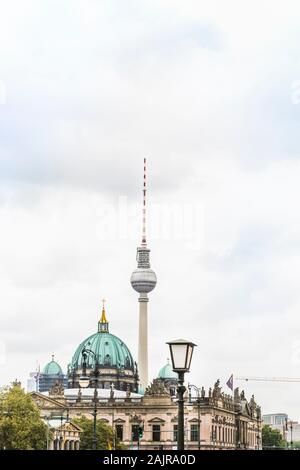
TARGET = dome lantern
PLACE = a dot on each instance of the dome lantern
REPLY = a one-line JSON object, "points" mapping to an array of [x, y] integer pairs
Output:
{"points": [[103, 323]]}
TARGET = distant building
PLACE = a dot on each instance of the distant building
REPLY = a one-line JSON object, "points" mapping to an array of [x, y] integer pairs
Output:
{"points": [[289, 429], [275, 420], [51, 375]]}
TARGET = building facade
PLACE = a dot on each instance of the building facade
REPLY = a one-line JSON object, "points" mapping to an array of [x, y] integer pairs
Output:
{"points": [[226, 422]]}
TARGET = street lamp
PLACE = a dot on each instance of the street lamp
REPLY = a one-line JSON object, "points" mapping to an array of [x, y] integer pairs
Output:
{"points": [[84, 382], [181, 355], [190, 386]]}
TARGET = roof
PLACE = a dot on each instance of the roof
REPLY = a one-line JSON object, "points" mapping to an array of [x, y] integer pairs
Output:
{"points": [[52, 368], [107, 349], [167, 372], [103, 393]]}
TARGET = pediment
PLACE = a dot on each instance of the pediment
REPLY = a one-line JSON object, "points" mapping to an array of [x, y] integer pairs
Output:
{"points": [[156, 420], [44, 402], [70, 426], [119, 420]]}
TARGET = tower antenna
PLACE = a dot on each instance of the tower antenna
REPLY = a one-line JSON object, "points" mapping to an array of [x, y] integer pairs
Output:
{"points": [[144, 239]]}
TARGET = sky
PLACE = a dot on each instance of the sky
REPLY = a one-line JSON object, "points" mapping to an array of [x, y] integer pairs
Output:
{"points": [[210, 93]]}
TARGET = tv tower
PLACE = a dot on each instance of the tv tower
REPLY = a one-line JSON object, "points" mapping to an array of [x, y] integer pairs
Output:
{"points": [[143, 281]]}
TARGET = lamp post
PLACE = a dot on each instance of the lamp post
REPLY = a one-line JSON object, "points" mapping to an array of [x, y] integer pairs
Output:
{"points": [[84, 382], [197, 389], [181, 355], [258, 435]]}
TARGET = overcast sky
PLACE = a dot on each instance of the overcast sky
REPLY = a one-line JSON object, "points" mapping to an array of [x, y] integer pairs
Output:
{"points": [[210, 93]]}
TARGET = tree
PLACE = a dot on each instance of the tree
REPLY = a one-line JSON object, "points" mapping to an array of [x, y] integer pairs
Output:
{"points": [[271, 438], [21, 426], [106, 438]]}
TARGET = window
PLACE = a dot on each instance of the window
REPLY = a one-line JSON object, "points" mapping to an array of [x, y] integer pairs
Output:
{"points": [[135, 432], [156, 432], [194, 432], [214, 433], [127, 362], [119, 432], [107, 360], [175, 432]]}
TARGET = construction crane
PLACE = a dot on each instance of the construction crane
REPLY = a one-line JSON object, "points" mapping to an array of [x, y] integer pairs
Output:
{"points": [[269, 379]]}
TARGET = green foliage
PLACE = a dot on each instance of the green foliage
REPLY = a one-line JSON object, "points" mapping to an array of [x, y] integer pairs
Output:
{"points": [[272, 438], [295, 445], [21, 426], [106, 438]]}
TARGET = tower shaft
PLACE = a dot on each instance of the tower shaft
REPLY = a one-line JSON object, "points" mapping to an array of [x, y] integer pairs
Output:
{"points": [[143, 341]]}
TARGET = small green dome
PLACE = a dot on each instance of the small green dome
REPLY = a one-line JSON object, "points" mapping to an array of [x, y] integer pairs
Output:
{"points": [[110, 351], [167, 372], [52, 368]]}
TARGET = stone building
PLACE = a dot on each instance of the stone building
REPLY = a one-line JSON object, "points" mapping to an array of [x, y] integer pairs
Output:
{"points": [[226, 422], [66, 436]]}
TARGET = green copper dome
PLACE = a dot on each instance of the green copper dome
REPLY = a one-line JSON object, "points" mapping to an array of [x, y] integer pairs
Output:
{"points": [[52, 368], [109, 350], [167, 372], [105, 359]]}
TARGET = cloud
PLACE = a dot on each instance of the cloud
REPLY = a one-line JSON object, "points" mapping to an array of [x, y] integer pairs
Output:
{"points": [[206, 94]]}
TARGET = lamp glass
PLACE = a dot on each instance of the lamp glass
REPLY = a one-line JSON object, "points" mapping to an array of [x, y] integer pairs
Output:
{"points": [[84, 381], [179, 356], [189, 356]]}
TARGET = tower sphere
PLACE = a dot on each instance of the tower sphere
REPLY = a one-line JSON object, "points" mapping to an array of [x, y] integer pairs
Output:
{"points": [[143, 280]]}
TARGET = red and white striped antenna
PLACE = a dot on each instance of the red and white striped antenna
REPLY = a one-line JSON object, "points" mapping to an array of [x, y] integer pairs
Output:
{"points": [[144, 240]]}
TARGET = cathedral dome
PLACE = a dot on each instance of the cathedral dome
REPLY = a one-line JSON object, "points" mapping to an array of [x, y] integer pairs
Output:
{"points": [[109, 350], [167, 372], [52, 368], [106, 359]]}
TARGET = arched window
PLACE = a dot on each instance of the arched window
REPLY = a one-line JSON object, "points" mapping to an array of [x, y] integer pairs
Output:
{"points": [[127, 362], [107, 361]]}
